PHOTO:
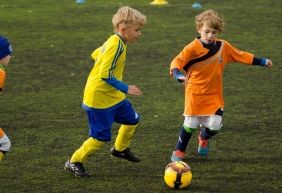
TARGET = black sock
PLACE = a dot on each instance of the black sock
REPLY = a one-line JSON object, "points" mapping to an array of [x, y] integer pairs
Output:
{"points": [[183, 140]]}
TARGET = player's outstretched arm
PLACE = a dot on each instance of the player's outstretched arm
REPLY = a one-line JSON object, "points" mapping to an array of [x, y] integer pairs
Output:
{"points": [[262, 62]]}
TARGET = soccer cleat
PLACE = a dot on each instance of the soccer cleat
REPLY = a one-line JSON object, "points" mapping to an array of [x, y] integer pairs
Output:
{"points": [[77, 169], [203, 148], [177, 155], [125, 154]]}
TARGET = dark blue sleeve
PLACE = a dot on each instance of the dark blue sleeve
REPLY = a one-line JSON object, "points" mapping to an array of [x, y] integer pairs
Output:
{"points": [[119, 85], [176, 74], [259, 61]]}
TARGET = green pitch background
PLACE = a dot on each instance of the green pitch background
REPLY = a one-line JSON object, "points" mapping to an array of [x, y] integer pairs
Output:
{"points": [[41, 112]]}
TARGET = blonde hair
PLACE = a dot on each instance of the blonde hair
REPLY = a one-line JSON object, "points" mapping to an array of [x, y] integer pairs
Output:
{"points": [[210, 17], [128, 15]]}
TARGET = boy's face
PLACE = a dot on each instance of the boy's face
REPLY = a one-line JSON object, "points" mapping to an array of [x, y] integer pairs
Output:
{"points": [[208, 34], [131, 33], [5, 60]]}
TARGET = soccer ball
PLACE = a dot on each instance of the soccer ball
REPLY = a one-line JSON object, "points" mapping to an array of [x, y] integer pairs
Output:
{"points": [[178, 175]]}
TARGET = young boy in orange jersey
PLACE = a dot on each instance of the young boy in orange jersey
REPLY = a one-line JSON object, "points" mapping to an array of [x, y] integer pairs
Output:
{"points": [[5, 52], [104, 97], [200, 67]]}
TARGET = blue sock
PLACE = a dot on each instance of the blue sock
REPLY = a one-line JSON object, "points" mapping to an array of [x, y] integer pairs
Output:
{"points": [[183, 140], [206, 133]]}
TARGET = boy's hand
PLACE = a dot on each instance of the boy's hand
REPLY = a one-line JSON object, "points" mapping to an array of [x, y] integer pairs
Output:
{"points": [[177, 75], [134, 90], [268, 63], [181, 78]]}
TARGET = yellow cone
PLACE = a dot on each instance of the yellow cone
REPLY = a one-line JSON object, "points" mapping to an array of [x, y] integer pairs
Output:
{"points": [[159, 2]]}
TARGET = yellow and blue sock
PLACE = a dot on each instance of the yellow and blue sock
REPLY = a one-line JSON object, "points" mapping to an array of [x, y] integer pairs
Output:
{"points": [[89, 146], [124, 137]]}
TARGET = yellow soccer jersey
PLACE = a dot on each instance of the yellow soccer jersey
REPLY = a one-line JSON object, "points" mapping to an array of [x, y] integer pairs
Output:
{"points": [[109, 62]]}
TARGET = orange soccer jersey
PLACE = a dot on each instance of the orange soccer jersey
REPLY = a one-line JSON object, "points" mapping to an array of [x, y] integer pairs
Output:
{"points": [[204, 66], [2, 78], [1, 133]]}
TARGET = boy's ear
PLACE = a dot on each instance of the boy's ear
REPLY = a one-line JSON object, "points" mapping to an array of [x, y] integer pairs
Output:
{"points": [[123, 30]]}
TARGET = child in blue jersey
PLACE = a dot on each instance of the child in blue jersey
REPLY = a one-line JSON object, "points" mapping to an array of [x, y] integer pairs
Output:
{"points": [[104, 97], [5, 56]]}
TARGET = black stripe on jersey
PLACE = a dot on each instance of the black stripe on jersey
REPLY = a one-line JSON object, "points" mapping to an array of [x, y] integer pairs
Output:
{"points": [[213, 49]]}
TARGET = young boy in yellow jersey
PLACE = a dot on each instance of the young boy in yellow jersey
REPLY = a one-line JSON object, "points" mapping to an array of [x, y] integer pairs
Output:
{"points": [[105, 94], [200, 67], [5, 56]]}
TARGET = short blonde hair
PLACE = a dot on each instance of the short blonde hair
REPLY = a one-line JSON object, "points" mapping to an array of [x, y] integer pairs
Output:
{"points": [[210, 17], [128, 15]]}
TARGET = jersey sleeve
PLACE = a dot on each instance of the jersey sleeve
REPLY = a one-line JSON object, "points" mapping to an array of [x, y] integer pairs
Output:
{"points": [[236, 55], [119, 85], [181, 59], [111, 54], [96, 53]]}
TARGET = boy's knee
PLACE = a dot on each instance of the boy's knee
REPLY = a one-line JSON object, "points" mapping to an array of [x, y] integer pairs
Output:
{"points": [[211, 132], [134, 121], [215, 123], [137, 118], [191, 122], [189, 129]]}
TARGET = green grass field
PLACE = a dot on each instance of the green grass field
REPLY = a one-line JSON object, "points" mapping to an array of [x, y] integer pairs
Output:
{"points": [[41, 112]]}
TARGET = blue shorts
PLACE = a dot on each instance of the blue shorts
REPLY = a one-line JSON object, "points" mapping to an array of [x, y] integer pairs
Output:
{"points": [[101, 120]]}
